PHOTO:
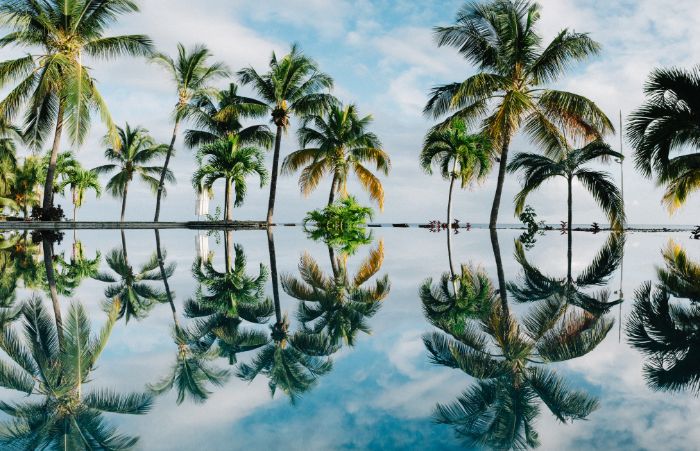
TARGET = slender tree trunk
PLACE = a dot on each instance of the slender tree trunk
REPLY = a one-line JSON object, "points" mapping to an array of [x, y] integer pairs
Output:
{"points": [[334, 187], [334, 262], [499, 186], [168, 293], [126, 190], [126, 256], [273, 275], [273, 178], [53, 292], [449, 227], [227, 207], [161, 184], [227, 250], [499, 269], [569, 204], [26, 211], [51, 170]]}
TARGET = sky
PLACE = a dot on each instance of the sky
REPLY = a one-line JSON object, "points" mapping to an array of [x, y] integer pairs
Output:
{"points": [[382, 57]]}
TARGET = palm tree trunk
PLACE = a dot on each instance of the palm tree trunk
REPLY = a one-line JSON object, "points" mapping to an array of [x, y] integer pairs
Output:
{"points": [[74, 194], [126, 190], [449, 227], [227, 207], [168, 293], [161, 184], [26, 211], [273, 275], [334, 187], [569, 204], [503, 293], [273, 178], [227, 250], [499, 185], [51, 170], [126, 256], [51, 279], [334, 262]]}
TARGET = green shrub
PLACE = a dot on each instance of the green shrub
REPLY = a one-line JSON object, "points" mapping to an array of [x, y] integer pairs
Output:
{"points": [[340, 225]]}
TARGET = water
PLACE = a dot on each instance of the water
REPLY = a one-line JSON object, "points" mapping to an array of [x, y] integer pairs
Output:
{"points": [[382, 391]]}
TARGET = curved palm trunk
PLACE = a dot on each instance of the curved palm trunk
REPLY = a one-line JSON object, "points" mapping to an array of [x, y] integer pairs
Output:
{"points": [[53, 292], [168, 293], [161, 184], [51, 170], [227, 207], [334, 187], [126, 190], [499, 186], [273, 178], [569, 218], [273, 275], [499, 269]]}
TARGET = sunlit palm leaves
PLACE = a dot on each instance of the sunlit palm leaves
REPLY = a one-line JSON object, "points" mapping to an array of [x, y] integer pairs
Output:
{"points": [[60, 415], [337, 144], [79, 181], [501, 39], [666, 125], [665, 324], [129, 288], [338, 305]]}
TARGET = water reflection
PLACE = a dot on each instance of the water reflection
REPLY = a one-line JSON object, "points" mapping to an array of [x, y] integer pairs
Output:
{"points": [[665, 323]]}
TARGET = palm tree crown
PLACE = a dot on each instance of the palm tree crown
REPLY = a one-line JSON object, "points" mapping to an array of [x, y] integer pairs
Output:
{"points": [[53, 83], [500, 37], [340, 143]]}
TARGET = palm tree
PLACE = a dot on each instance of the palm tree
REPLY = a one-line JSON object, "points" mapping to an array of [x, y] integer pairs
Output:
{"points": [[292, 87], [665, 324], [61, 415], [338, 306], [571, 164], [80, 181], [501, 38], [509, 361], [459, 155], [193, 76], [138, 149], [130, 288], [226, 159], [665, 125], [220, 116], [224, 300], [53, 82], [25, 190], [10, 135], [339, 144]]}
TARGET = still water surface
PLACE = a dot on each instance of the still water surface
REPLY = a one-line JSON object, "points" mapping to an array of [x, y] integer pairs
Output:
{"points": [[381, 355]]}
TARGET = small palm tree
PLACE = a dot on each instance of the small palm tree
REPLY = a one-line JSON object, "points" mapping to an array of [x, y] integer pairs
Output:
{"points": [[458, 155], [79, 181], [220, 116], [61, 415], [338, 306], [340, 143], [500, 37], [570, 164], [193, 76], [293, 86], [52, 82], [664, 126], [138, 149], [226, 159], [25, 191]]}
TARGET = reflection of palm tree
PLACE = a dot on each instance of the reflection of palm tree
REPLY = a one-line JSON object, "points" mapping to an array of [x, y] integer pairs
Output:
{"points": [[666, 331], [129, 288], [535, 286], [292, 361], [509, 360], [192, 371], [230, 298], [56, 371], [338, 306]]}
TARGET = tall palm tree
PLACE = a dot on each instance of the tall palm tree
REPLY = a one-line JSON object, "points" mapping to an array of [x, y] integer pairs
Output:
{"points": [[458, 155], [52, 81], [501, 39], [571, 164], [664, 125], [340, 143], [193, 76], [665, 324], [79, 181], [509, 361], [138, 149], [226, 159], [338, 306], [61, 415], [293, 86], [220, 115]]}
